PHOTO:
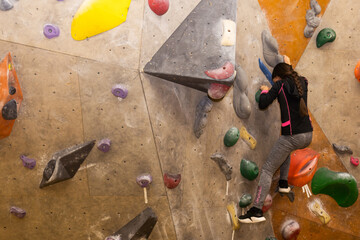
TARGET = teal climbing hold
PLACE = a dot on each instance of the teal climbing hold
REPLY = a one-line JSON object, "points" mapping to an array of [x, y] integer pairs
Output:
{"points": [[257, 96], [341, 186], [231, 137], [245, 200], [249, 169], [324, 36]]}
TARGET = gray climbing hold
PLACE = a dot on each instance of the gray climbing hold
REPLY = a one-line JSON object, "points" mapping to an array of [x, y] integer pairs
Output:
{"points": [[65, 163], [9, 110], [315, 6], [138, 228], [342, 149], [202, 109], [312, 23], [271, 49], [6, 5], [241, 101], [20, 213], [225, 168]]}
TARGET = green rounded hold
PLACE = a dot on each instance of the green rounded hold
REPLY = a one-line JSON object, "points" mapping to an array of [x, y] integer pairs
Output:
{"points": [[271, 238], [231, 137], [324, 36], [245, 200], [249, 169], [341, 186], [257, 96]]}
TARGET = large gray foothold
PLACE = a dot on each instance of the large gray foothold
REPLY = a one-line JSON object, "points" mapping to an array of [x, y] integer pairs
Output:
{"points": [[195, 47], [271, 49], [241, 102], [6, 5], [138, 228], [202, 110], [308, 31], [225, 168], [315, 6], [9, 110], [342, 149], [65, 163], [311, 19]]}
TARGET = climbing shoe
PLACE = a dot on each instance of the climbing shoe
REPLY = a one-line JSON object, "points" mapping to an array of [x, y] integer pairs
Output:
{"points": [[254, 215], [283, 186]]}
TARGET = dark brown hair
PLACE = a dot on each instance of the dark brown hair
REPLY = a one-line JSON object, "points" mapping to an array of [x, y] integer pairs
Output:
{"points": [[283, 70]]}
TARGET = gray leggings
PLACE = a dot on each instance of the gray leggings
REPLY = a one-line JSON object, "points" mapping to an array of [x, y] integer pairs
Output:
{"points": [[279, 157]]}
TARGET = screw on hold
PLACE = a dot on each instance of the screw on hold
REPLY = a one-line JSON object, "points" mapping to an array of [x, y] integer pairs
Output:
{"points": [[28, 162], [18, 212], [104, 145], [12, 90], [120, 91], [51, 31], [144, 180]]}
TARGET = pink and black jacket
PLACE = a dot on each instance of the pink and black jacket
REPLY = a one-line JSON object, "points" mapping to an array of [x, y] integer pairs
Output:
{"points": [[289, 99]]}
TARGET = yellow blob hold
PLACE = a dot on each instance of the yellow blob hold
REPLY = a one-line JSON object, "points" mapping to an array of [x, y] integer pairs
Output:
{"points": [[97, 16], [318, 210], [234, 218], [250, 140], [229, 33]]}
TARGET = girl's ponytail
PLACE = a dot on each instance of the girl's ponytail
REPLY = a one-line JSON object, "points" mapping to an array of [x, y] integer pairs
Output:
{"points": [[302, 108]]}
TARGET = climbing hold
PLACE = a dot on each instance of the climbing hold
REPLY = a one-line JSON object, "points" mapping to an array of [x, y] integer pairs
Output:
{"points": [[245, 200], [303, 166], [172, 180], [267, 203], [144, 180], [341, 186], [10, 96], [250, 140], [6, 5], [231, 208], [342, 149], [317, 208], [160, 7], [354, 161], [290, 230], [97, 16], [266, 72], [257, 95], [312, 23], [241, 101], [217, 91], [249, 169], [315, 6], [324, 36], [202, 110], [65, 163], [270, 238], [20, 213], [225, 168], [226, 71], [231, 137], [120, 91], [51, 31], [139, 227], [270, 49], [28, 162], [357, 71], [229, 33], [104, 145]]}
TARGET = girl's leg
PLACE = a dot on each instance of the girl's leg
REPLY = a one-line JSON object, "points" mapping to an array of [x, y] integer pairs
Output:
{"points": [[284, 169]]}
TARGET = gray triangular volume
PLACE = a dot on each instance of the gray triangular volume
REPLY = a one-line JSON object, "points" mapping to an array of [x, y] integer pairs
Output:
{"points": [[197, 45], [138, 228]]}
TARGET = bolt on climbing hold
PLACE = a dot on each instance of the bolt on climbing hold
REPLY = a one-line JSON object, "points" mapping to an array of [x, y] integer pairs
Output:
{"points": [[18, 212], [159, 7], [249, 169], [290, 230], [357, 71], [241, 101], [104, 145], [248, 138], [202, 110], [28, 162], [171, 180], [224, 166], [144, 180], [245, 201], [51, 31], [342, 149], [324, 36], [120, 91], [231, 137], [354, 161], [231, 208], [267, 203], [317, 208]]}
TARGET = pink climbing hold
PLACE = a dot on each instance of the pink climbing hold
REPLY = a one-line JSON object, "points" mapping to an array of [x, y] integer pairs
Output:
{"points": [[217, 90], [267, 203], [224, 72], [159, 7], [354, 161]]}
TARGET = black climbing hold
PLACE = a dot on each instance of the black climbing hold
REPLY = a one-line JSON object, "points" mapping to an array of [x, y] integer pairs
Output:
{"points": [[65, 163], [12, 90], [138, 228], [9, 110]]}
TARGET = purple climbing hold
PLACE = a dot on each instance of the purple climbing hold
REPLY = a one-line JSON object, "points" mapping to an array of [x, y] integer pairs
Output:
{"points": [[28, 162], [51, 31], [104, 145], [144, 180], [20, 213], [119, 90]]}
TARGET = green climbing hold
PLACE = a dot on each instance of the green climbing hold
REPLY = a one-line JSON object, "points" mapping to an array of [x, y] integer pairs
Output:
{"points": [[257, 96], [271, 238], [245, 200], [324, 36], [231, 137], [249, 169], [341, 186]]}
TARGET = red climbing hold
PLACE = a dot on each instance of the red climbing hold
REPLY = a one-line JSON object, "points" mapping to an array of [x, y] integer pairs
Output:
{"points": [[160, 7], [217, 91], [354, 161], [224, 72], [172, 180], [302, 166]]}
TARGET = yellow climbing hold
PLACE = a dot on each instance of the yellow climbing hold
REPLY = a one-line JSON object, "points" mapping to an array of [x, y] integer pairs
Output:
{"points": [[233, 216], [97, 16], [250, 140]]}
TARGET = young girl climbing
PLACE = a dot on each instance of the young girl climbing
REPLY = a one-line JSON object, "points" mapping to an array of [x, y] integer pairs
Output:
{"points": [[290, 89]]}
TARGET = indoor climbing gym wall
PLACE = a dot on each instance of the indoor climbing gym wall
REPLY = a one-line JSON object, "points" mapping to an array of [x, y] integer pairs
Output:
{"points": [[139, 119]]}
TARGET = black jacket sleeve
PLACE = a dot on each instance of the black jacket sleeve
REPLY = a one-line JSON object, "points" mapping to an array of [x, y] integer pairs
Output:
{"points": [[267, 98]]}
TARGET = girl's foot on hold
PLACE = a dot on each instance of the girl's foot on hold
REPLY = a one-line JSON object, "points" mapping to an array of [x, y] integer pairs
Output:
{"points": [[283, 186], [254, 215]]}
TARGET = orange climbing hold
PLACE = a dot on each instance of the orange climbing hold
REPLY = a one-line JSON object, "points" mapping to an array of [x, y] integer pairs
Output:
{"points": [[302, 166], [357, 71], [10, 96]]}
